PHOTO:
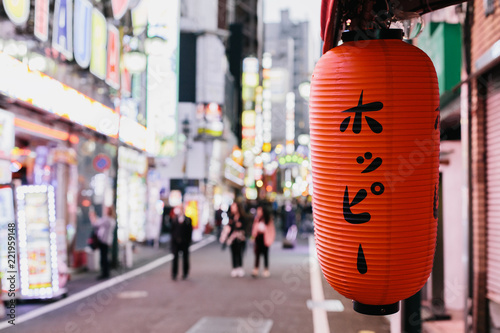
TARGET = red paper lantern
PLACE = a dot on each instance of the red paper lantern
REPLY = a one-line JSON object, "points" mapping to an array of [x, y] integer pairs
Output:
{"points": [[374, 119]]}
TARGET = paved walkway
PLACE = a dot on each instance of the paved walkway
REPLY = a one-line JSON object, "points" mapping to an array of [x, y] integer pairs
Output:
{"points": [[152, 302]]}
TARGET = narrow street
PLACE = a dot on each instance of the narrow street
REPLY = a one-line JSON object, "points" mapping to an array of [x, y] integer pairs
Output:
{"points": [[208, 301]]}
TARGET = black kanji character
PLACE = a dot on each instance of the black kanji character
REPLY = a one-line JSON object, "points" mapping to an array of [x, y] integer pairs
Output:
{"points": [[358, 110]]}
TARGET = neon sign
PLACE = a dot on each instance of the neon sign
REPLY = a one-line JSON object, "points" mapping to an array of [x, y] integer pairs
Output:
{"points": [[41, 29], [113, 70], [83, 31], [98, 53], [62, 34], [17, 10], [119, 8]]}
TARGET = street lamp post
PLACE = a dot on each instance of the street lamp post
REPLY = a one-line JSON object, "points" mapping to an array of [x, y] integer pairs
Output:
{"points": [[185, 130]]}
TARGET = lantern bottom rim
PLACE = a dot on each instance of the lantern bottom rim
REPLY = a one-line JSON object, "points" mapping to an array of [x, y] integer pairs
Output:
{"points": [[375, 310]]}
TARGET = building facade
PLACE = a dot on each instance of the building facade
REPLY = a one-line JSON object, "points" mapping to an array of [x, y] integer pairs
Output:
{"points": [[287, 43], [483, 82]]}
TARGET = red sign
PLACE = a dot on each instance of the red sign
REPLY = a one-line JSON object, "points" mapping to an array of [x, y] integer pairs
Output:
{"points": [[42, 20], [101, 163], [119, 8], [113, 68], [126, 81]]}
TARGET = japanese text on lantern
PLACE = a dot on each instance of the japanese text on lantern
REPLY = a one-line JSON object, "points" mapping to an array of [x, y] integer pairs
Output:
{"points": [[377, 188]]}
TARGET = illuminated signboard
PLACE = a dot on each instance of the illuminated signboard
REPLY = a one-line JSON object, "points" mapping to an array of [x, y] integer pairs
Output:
{"points": [[132, 133], [290, 123], [62, 32], [56, 98], [6, 145], [209, 119], [113, 69], [234, 172], [6, 134], [131, 194], [7, 220], [192, 211], [98, 48], [248, 131], [259, 120], [162, 78], [36, 217], [119, 8], [250, 81], [140, 17], [266, 103], [41, 26], [17, 10], [83, 31]]}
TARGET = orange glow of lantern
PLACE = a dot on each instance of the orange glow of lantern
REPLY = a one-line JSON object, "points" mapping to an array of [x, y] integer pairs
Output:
{"points": [[374, 119]]}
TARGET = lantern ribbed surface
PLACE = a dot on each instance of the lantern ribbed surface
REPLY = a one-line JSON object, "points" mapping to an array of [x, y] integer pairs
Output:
{"points": [[374, 121]]}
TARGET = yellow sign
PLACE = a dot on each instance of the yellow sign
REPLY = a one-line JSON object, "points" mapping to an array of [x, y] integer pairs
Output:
{"points": [[266, 147], [98, 40], [17, 10], [192, 212]]}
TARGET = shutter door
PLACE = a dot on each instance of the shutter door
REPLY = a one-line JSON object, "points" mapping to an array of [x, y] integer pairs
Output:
{"points": [[493, 184]]}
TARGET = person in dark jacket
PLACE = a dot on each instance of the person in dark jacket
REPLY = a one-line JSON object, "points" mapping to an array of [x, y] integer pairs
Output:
{"points": [[182, 230], [234, 236]]}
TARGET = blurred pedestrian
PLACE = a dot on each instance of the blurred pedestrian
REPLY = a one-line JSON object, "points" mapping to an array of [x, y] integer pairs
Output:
{"points": [[104, 228], [218, 221], [263, 233], [182, 231], [234, 237]]}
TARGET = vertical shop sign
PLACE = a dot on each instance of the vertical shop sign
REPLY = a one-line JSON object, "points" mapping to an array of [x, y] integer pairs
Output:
{"points": [[140, 18], [6, 134], [113, 68], [126, 82], [119, 8], [248, 119], [41, 28], [98, 48], [17, 10], [6, 145], [162, 78], [7, 220], [290, 123], [36, 226], [83, 31], [62, 34]]}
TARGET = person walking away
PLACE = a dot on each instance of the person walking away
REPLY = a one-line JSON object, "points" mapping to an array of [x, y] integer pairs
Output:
{"points": [[263, 233], [104, 229], [218, 221], [182, 232], [235, 238]]}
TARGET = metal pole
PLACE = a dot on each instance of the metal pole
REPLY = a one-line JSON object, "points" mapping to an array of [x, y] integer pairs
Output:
{"points": [[411, 318]]}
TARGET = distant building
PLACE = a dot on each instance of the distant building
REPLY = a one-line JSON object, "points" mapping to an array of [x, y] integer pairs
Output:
{"points": [[287, 42]]}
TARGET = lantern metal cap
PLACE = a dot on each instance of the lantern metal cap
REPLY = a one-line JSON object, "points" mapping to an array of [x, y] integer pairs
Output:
{"points": [[357, 35], [375, 310]]}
